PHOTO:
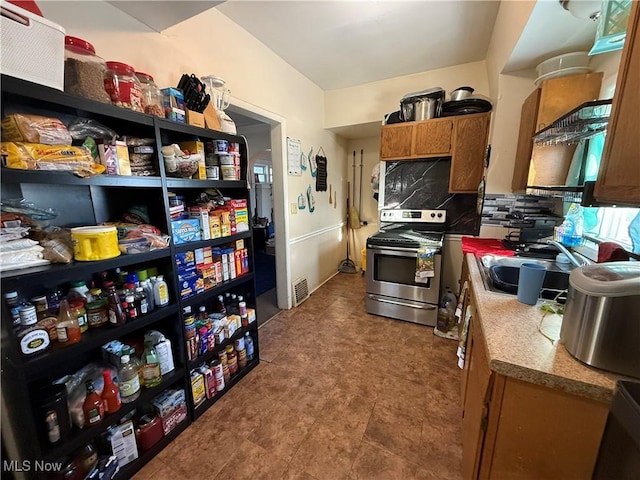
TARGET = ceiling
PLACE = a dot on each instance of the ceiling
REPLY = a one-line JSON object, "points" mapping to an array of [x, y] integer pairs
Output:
{"points": [[337, 44], [346, 43]]}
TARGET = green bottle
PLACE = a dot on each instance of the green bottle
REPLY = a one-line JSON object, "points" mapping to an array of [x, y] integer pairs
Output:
{"points": [[151, 375]]}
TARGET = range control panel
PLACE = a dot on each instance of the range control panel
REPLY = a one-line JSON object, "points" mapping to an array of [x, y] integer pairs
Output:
{"points": [[413, 216]]}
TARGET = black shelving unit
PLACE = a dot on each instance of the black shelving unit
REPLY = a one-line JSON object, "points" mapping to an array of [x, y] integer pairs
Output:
{"points": [[88, 201]]}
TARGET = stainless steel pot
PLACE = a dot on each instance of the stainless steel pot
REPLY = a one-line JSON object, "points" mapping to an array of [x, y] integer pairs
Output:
{"points": [[600, 325], [426, 108], [461, 93]]}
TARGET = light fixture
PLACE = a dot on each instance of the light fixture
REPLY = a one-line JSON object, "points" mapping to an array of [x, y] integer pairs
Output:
{"points": [[612, 26], [583, 9]]}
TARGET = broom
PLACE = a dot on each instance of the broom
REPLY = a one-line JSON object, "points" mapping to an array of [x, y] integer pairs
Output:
{"points": [[354, 216], [347, 265]]}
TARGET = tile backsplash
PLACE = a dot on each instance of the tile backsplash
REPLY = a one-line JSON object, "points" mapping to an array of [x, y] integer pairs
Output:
{"points": [[497, 208]]}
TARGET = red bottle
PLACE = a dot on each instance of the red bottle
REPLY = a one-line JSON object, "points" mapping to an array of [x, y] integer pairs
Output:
{"points": [[93, 408], [110, 394]]}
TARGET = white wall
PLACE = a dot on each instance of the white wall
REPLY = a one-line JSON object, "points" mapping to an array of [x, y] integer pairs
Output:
{"points": [[210, 43], [369, 102]]}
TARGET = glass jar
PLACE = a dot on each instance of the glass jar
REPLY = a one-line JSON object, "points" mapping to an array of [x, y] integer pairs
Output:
{"points": [[79, 311], [151, 95], [123, 86], [84, 70], [97, 314]]}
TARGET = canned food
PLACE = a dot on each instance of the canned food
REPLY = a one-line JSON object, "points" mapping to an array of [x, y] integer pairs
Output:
{"points": [[234, 147], [41, 306], [213, 172], [222, 146], [239, 344], [28, 315]]}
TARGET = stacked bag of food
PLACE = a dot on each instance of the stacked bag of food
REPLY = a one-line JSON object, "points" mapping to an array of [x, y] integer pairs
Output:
{"points": [[34, 142]]}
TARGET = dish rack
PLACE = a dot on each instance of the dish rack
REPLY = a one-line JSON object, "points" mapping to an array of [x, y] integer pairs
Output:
{"points": [[584, 121]]}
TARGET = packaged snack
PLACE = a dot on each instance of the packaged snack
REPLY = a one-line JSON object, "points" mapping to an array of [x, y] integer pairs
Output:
{"points": [[21, 127], [36, 156]]}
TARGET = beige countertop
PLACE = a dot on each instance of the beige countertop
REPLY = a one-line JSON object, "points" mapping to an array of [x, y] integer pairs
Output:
{"points": [[517, 349]]}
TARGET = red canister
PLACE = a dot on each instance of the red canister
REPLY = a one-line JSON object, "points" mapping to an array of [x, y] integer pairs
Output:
{"points": [[123, 86], [149, 432]]}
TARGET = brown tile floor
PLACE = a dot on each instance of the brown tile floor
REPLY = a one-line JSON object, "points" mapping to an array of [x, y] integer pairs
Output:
{"points": [[339, 394]]}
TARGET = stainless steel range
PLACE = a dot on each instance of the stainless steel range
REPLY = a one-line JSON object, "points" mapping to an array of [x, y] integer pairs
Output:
{"points": [[391, 265]]}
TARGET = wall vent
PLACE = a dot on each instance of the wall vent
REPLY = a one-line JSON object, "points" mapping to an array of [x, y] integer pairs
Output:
{"points": [[300, 291]]}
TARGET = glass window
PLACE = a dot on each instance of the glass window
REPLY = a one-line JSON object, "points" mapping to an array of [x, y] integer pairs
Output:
{"points": [[612, 224], [263, 174]]}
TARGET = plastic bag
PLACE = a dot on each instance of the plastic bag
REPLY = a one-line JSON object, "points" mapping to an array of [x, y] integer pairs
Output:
{"points": [[21, 127], [36, 156], [23, 207], [424, 265], [81, 128]]}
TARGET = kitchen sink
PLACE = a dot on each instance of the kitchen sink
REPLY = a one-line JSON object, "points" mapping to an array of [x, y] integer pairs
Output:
{"points": [[500, 274]]}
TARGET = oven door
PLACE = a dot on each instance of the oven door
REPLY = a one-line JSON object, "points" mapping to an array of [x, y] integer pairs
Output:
{"points": [[391, 273]]}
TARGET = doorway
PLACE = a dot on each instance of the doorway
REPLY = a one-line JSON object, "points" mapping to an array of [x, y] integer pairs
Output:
{"points": [[268, 232]]}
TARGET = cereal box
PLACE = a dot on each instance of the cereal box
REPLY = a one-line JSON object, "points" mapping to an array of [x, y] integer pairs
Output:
{"points": [[185, 259], [186, 230]]}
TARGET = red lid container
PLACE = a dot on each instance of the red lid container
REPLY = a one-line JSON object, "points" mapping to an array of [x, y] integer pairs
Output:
{"points": [[78, 45], [121, 68]]}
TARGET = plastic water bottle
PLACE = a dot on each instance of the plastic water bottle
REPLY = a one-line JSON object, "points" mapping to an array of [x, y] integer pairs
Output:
{"points": [[446, 312]]}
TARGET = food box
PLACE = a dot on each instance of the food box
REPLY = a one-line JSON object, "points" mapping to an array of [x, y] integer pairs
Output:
{"points": [[184, 272], [202, 214], [214, 224], [122, 439], [251, 314], [203, 256], [198, 389], [115, 158], [176, 417], [241, 215], [185, 230], [196, 147], [168, 401], [111, 352], [173, 104], [185, 259], [190, 285]]}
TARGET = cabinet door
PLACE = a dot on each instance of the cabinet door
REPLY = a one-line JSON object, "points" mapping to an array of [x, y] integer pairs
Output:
{"points": [[528, 118], [395, 141], [619, 176], [433, 137], [475, 404], [470, 142]]}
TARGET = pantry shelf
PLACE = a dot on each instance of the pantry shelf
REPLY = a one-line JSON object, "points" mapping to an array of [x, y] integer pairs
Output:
{"points": [[211, 355], [68, 178], [204, 184], [126, 472], [584, 121], [213, 242], [84, 435], [174, 127], [217, 290], [204, 406], [74, 270], [93, 339]]}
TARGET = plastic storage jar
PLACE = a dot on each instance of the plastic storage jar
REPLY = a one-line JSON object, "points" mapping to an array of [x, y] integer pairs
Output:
{"points": [[83, 70], [151, 95], [123, 86]]}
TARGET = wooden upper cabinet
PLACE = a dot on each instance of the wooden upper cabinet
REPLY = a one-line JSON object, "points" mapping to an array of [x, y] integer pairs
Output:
{"points": [[467, 161], [462, 137], [549, 165], [528, 119], [619, 176], [433, 137], [396, 141]]}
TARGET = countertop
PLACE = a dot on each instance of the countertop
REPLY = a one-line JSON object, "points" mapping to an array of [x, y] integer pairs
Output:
{"points": [[517, 349]]}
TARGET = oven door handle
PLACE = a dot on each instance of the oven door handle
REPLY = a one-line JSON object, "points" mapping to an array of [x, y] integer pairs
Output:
{"points": [[402, 304], [383, 250]]}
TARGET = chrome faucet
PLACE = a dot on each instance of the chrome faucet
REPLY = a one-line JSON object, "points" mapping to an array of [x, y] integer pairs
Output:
{"points": [[572, 258]]}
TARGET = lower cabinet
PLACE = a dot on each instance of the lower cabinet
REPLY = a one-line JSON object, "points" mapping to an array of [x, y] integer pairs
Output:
{"points": [[516, 429]]}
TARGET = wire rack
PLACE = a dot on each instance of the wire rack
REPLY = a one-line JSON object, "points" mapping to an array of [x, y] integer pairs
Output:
{"points": [[566, 194], [583, 122]]}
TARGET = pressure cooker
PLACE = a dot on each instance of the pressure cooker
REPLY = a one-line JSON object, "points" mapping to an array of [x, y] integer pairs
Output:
{"points": [[422, 105]]}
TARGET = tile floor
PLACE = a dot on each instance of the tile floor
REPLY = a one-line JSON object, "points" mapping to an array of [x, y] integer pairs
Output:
{"points": [[339, 394]]}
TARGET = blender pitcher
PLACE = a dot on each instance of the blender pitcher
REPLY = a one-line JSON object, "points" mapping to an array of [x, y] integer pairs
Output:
{"points": [[217, 90]]}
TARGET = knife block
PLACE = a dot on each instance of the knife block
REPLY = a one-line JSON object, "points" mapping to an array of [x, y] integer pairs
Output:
{"points": [[211, 118], [195, 118]]}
